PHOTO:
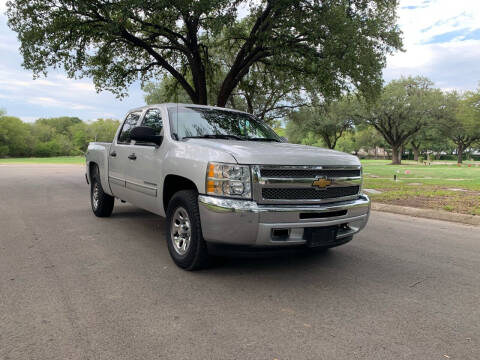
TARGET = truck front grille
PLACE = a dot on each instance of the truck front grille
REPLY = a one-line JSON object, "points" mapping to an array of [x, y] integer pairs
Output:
{"points": [[304, 173], [277, 184], [308, 193]]}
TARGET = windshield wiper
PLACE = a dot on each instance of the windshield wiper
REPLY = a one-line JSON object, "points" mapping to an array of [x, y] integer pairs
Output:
{"points": [[263, 139], [215, 136]]}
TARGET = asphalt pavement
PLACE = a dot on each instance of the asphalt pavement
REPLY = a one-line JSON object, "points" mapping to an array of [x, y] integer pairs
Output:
{"points": [[73, 286]]}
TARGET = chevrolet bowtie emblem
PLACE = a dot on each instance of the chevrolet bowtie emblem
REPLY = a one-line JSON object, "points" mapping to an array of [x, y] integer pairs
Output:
{"points": [[321, 182]]}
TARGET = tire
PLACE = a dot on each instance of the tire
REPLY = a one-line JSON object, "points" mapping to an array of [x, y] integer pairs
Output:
{"points": [[184, 232], [102, 203]]}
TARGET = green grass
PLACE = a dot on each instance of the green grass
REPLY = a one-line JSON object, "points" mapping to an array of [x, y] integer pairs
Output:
{"points": [[49, 160], [441, 185]]}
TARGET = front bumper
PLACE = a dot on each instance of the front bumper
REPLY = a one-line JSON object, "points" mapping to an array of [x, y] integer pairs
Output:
{"points": [[240, 222]]}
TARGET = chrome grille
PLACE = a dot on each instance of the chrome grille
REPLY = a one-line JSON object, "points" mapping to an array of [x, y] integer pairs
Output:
{"points": [[276, 184], [304, 173], [305, 193]]}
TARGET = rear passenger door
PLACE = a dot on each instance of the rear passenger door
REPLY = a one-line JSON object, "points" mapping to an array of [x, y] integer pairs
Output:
{"points": [[118, 157], [145, 171]]}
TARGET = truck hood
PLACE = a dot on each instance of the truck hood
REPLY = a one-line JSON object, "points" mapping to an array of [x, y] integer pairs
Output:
{"points": [[273, 153]]}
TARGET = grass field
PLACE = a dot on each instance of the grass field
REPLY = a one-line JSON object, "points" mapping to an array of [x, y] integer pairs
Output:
{"points": [[50, 160], [442, 185]]}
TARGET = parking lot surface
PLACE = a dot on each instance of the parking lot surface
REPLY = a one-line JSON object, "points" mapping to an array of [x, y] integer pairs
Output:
{"points": [[74, 286]]}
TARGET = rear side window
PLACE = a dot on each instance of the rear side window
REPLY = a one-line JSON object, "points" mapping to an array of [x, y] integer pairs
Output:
{"points": [[128, 125], [153, 119]]}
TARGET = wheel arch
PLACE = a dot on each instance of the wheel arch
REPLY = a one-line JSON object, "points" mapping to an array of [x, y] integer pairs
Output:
{"points": [[174, 183], [91, 165]]}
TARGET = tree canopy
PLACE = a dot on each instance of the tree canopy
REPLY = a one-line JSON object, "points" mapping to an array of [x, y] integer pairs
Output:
{"points": [[459, 120], [262, 92], [334, 44], [404, 107], [328, 121]]}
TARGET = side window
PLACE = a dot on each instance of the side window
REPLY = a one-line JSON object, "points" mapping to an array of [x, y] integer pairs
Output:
{"points": [[153, 119], [128, 125]]}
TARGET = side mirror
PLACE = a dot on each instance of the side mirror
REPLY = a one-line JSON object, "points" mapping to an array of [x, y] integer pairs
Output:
{"points": [[145, 134]]}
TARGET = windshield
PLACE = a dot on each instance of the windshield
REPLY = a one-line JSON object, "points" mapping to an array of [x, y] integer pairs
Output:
{"points": [[195, 122]]}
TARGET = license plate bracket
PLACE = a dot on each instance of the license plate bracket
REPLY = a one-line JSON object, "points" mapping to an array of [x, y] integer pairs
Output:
{"points": [[320, 236]]}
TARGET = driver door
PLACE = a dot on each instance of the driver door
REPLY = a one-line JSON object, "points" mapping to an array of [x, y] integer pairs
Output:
{"points": [[145, 172]]}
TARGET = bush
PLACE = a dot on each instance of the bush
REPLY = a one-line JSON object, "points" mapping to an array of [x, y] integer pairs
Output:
{"points": [[48, 149], [3, 151]]}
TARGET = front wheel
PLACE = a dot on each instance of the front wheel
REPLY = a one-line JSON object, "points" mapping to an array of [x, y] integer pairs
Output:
{"points": [[102, 203], [184, 233]]}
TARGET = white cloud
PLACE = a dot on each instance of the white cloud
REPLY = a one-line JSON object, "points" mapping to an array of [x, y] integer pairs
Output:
{"points": [[449, 65], [49, 101], [422, 20], [442, 42]]}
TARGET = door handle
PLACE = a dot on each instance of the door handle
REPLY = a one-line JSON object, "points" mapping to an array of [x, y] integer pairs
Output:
{"points": [[132, 156], [113, 153]]}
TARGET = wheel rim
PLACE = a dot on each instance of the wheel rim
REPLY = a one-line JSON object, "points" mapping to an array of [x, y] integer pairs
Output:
{"points": [[96, 195], [180, 231]]}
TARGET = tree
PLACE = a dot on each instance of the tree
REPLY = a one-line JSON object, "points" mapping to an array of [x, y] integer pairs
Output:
{"points": [[295, 132], [98, 130], [348, 143], [15, 137], [104, 129], [404, 107], [61, 124], [427, 139], [262, 93], [328, 121], [459, 120], [337, 44], [367, 138]]}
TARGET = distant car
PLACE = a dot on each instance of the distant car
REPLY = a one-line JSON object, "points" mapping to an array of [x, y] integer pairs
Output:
{"points": [[220, 176]]}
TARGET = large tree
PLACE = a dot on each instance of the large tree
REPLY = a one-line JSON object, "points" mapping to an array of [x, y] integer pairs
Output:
{"points": [[328, 121], [459, 120], [262, 92], [404, 107], [337, 43]]}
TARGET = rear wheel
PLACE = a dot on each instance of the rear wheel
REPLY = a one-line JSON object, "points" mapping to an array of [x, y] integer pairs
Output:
{"points": [[102, 203], [184, 232]]}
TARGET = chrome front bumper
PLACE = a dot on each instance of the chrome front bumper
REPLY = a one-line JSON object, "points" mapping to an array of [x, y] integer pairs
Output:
{"points": [[241, 222]]}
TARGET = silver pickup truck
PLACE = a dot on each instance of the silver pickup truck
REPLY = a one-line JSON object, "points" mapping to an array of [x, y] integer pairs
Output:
{"points": [[224, 179]]}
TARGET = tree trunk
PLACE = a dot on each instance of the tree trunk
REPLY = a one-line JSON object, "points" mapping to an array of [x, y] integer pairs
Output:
{"points": [[396, 159], [416, 154], [416, 150], [460, 153], [400, 154]]}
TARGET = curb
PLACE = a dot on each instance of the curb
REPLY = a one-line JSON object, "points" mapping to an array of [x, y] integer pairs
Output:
{"points": [[427, 213]]}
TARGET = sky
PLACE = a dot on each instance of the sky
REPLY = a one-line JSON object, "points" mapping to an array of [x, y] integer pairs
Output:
{"points": [[441, 41]]}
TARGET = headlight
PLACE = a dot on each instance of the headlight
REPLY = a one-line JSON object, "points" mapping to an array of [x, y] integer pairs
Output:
{"points": [[228, 180]]}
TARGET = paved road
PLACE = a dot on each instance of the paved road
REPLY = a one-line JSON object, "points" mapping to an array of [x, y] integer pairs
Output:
{"points": [[73, 286]]}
